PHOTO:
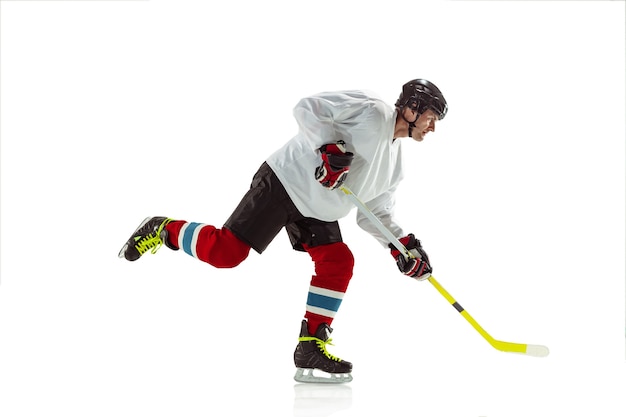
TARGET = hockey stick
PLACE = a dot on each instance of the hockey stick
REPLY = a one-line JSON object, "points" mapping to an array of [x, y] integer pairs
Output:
{"points": [[530, 350]]}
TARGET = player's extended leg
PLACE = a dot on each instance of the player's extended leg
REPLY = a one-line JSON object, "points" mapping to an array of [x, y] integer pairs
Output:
{"points": [[333, 269], [218, 247], [262, 213]]}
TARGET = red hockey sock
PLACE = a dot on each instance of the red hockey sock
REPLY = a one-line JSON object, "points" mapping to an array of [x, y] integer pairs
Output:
{"points": [[218, 247], [333, 271]]}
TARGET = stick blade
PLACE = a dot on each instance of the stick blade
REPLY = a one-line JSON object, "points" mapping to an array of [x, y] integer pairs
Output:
{"points": [[537, 350]]}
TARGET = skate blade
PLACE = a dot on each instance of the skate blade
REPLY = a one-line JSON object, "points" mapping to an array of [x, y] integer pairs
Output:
{"points": [[122, 252], [306, 376]]}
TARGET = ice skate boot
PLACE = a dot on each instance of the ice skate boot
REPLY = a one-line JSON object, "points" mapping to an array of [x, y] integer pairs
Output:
{"points": [[311, 354], [150, 235]]}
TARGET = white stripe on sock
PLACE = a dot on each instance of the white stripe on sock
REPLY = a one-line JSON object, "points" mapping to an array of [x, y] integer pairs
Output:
{"points": [[181, 235], [320, 311], [326, 292]]}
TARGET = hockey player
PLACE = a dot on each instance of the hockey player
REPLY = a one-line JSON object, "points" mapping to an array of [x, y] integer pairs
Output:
{"points": [[345, 136]]}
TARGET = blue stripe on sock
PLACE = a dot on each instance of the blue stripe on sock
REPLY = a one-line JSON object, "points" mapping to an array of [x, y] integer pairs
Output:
{"points": [[188, 236], [322, 301]]}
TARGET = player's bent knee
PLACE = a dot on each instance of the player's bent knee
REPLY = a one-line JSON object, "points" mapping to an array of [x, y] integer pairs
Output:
{"points": [[228, 251], [333, 258], [343, 256], [227, 259]]}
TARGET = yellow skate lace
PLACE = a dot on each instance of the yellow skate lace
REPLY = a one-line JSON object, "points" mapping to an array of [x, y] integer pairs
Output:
{"points": [[151, 241], [321, 345]]}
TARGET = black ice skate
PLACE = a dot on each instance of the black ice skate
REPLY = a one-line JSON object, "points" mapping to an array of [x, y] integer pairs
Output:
{"points": [[150, 234], [311, 354]]}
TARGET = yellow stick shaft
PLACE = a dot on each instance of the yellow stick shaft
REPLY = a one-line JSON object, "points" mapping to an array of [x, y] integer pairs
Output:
{"points": [[504, 346]]}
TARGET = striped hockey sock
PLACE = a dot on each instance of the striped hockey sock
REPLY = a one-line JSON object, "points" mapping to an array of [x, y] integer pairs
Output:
{"points": [[321, 306], [218, 247], [333, 271]]}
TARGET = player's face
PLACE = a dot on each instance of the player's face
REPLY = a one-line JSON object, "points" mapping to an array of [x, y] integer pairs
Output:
{"points": [[424, 124]]}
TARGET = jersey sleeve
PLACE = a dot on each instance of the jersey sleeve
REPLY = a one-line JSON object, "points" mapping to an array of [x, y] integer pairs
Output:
{"points": [[383, 208]]}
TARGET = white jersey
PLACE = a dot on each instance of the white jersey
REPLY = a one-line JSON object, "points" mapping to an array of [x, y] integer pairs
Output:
{"points": [[366, 124]]}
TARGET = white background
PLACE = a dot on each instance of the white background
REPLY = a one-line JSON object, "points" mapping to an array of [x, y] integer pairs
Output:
{"points": [[116, 110]]}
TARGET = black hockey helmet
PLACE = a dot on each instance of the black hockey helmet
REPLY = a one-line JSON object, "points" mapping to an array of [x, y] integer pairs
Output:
{"points": [[421, 95]]}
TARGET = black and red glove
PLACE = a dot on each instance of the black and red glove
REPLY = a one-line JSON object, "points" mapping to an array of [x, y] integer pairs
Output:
{"points": [[418, 266], [335, 165]]}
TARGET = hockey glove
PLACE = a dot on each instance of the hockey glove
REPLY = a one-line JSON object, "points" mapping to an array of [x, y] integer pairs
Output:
{"points": [[417, 267], [335, 165]]}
